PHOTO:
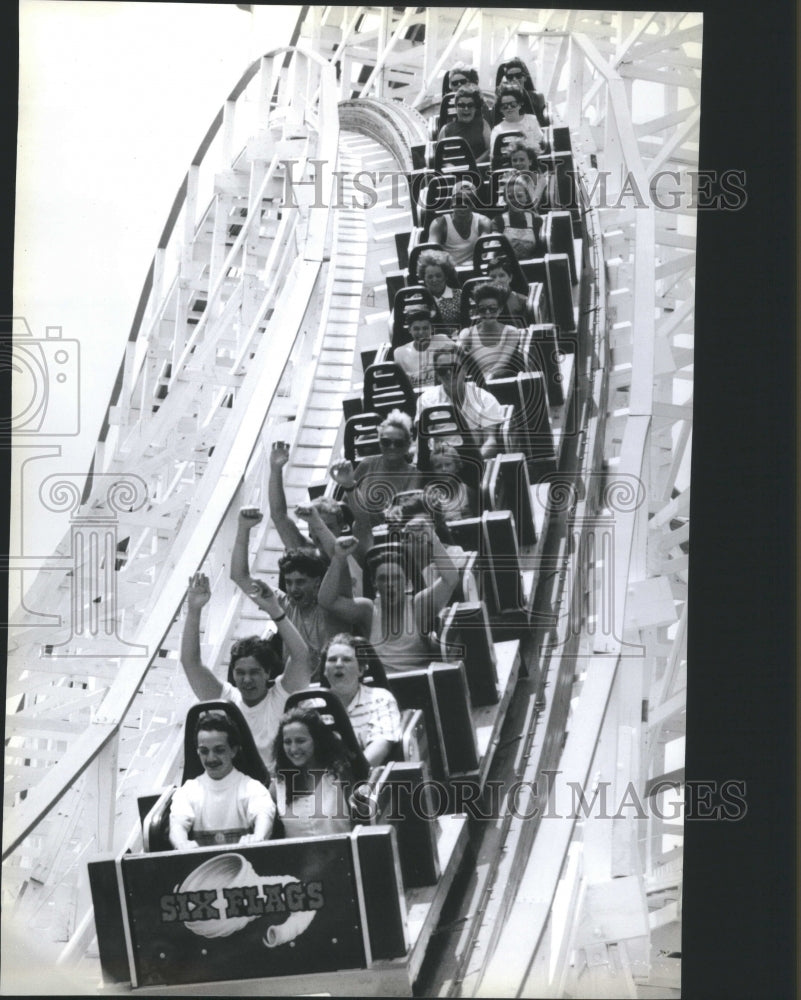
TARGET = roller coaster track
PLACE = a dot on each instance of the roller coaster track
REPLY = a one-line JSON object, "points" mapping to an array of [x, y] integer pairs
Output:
{"points": [[248, 330]]}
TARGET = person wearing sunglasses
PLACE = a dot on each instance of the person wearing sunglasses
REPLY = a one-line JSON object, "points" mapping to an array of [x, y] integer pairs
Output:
{"points": [[510, 102], [478, 413], [458, 75], [516, 72], [469, 123], [378, 478], [458, 231], [491, 347]]}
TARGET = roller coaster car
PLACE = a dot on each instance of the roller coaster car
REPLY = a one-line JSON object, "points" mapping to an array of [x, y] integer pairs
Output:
{"points": [[154, 811]]}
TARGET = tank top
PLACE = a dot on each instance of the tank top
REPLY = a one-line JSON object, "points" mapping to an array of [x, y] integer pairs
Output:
{"points": [[488, 358], [408, 651], [460, 249]]}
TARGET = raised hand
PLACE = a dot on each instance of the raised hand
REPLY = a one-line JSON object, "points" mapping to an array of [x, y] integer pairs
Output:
{"points": [[279, 454], [342, 473], [345, 545], [304, 511], [249, 517], [199, 592]]}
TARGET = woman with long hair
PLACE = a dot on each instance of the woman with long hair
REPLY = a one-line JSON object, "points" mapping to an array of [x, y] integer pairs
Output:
{"points": [[313, 778]]}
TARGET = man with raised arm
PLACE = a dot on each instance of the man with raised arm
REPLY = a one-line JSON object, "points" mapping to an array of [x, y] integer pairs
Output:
{"points": [[259, 687], [333, 515], [303, 572]]}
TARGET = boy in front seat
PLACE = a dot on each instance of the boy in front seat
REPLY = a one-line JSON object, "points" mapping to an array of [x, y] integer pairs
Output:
{"points": [[223, 805]]}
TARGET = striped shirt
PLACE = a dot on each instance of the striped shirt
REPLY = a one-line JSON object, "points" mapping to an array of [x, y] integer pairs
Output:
{"points": [[374, 715]]}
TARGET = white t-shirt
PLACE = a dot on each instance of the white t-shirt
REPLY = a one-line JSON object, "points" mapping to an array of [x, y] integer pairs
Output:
{"points": [[479, 408], [419, 365], [224, 809], [263, 718]]}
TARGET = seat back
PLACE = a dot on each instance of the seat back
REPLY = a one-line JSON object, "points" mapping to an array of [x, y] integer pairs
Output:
{"points": [[438, 421], [249, 761], [465, 636], [387, 387], [491, 246], [530, 429], [447, 109], [435, 199], [499, 154], [408, 300], [156, 819], [506, 486], [541, 353], [334, 715], [440, 692], [361, 436], [452, 155]]}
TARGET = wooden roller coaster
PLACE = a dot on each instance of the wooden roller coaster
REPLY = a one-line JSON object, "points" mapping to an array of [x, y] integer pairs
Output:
{"points": [[265, 292]]}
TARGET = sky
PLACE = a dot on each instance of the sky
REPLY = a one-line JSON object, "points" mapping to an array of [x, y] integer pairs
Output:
{"points": [[114, 100]]}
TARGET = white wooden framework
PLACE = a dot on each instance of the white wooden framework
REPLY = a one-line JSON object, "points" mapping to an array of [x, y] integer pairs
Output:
{"points": [[225, 357]]}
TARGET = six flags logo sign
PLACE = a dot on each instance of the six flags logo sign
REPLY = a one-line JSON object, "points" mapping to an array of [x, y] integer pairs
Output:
{"points": [[224, 894]]}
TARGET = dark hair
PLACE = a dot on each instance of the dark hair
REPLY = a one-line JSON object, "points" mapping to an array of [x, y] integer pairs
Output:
{"points": [[516, 145], [488, 291], [470, 90], [516, 63], [510, 90], [418, 316], [366, 656], [377, 557], [302, 561], [219, 722], [423, 502], [263, 652], [329, 748]]}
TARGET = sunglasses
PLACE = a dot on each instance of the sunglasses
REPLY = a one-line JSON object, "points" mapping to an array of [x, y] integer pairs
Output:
{"points": [[512, 73], [461, 104], [391, 442], [488, 309], [506, 105]]}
